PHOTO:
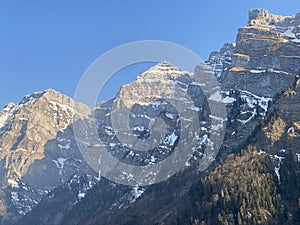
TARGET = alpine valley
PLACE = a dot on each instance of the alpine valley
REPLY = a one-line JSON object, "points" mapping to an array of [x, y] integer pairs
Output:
{"points": [[255, 178]]}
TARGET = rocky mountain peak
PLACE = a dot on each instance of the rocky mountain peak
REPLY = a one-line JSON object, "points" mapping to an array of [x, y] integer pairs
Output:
{"points": [[266, 57], [48, 95], [152, 84], [220, 61], [262, 17], [26, 127], [9, 106], [163, 70], [285, 26]]}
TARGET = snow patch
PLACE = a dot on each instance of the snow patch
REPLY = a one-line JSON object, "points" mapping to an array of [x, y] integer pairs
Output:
{"points": [[157, 104], [257, 71], [228, 100], [254, 102], [290, 34], [67, 146], [277, 168], [261, 152], [60, 163], [81, 195], [203, 140], [171, 139], [298, 156], [112, 145], [136, 192], [6, 113], [254, 113], [198, 84], [109, 131], [170, 115]]}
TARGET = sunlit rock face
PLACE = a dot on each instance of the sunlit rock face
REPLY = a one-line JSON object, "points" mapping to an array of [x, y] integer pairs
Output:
{"points": [[264, 62], [151, 104], [38, 150], [266, 57]]}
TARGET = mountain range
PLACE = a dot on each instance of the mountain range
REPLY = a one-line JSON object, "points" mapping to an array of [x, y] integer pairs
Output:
{"points": [[254, 179]]}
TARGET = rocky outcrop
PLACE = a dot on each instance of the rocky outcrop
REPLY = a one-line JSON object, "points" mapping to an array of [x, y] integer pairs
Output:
{"points": [[281, 129], [220, 61], [266, 57], [264, 62]]}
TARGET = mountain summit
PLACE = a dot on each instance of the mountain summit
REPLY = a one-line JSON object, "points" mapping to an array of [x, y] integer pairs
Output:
{"points": [[266, 56], [27, 127], [26, 131], [164, 69]]}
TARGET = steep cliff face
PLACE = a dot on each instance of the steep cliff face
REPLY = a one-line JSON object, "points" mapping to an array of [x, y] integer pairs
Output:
{"points": [[266, 57], [29, 125], [37, 149], [263, 63], [151, 114], [220, 61], [280, 130]]}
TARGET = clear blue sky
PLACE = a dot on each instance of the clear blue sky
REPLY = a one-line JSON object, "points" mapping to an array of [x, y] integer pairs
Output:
{"points": [[49, 44]]}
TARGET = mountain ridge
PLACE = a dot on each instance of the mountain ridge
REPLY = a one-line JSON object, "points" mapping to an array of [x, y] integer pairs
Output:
{"points": [[260, 85]]}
